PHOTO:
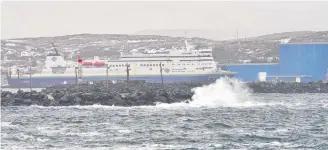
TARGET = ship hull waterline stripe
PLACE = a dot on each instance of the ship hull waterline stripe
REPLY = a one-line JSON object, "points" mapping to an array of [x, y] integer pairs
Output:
{"points": [[46, 82]]}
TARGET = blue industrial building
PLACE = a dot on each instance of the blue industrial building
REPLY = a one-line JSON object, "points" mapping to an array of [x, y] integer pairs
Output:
{"points": [[249, 72], [298, 62]]}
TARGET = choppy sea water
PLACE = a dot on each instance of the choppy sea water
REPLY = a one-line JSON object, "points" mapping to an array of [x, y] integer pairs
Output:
{"points": [[234, 120]]}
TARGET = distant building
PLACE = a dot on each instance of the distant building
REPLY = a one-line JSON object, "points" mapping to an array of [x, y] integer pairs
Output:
{"points": [[302, 62]]}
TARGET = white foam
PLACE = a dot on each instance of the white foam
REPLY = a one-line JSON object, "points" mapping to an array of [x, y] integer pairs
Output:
{"points": [[225, 92], [5, 124], [125, 131]]}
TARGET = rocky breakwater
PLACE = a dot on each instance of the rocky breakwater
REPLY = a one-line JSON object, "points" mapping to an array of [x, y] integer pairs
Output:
{"points": [[119, 94], [288, 87], [138, 93]]}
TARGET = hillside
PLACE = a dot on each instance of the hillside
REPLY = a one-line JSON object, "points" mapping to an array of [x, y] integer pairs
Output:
{"points": [[217, 35], [263, 48], [85, 45], [260, 49]]}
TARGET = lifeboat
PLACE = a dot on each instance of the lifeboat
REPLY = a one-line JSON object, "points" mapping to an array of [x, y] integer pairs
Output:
{"points": [[99, 64], [87, 63]]}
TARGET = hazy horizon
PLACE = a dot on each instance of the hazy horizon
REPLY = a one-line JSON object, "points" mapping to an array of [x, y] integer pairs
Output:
{"points": [[47, 19]]}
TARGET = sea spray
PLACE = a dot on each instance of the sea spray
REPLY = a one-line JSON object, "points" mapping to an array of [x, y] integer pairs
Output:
{"points": [[224, 92]]}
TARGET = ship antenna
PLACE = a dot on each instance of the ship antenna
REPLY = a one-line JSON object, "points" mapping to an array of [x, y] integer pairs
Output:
{"points": [[53, 45]]}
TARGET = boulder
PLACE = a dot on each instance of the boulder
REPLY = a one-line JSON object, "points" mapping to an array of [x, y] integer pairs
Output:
{"points": [[160, 99]]}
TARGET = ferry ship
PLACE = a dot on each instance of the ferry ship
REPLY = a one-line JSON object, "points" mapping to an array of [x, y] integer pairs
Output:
{"points": [[171, 66]]}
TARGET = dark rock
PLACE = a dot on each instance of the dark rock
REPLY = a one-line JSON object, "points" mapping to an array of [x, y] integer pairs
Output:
{"points": [[285, 87], [34, 96], [77, 100], [33, 92], [64, 99], [18, 100], [52, 103], [121, 102], [20, 92], [161, 99], [141, 102], [27, 101]]}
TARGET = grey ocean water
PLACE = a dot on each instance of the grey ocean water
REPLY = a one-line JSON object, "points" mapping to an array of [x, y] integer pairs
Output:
{"points": [[221, 117]]}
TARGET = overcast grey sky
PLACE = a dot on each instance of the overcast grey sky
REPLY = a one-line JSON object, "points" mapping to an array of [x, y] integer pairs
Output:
{"points": [[33, 19]]}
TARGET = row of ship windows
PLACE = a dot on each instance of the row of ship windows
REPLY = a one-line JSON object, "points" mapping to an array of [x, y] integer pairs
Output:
{"points": [[204, 68], [150, 64], [193, 64], [199, 60], [122, 65], [166, 56], [210, 52]]}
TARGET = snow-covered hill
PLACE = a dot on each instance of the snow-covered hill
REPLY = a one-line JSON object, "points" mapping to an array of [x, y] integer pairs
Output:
{"points": [[259, 49]]}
